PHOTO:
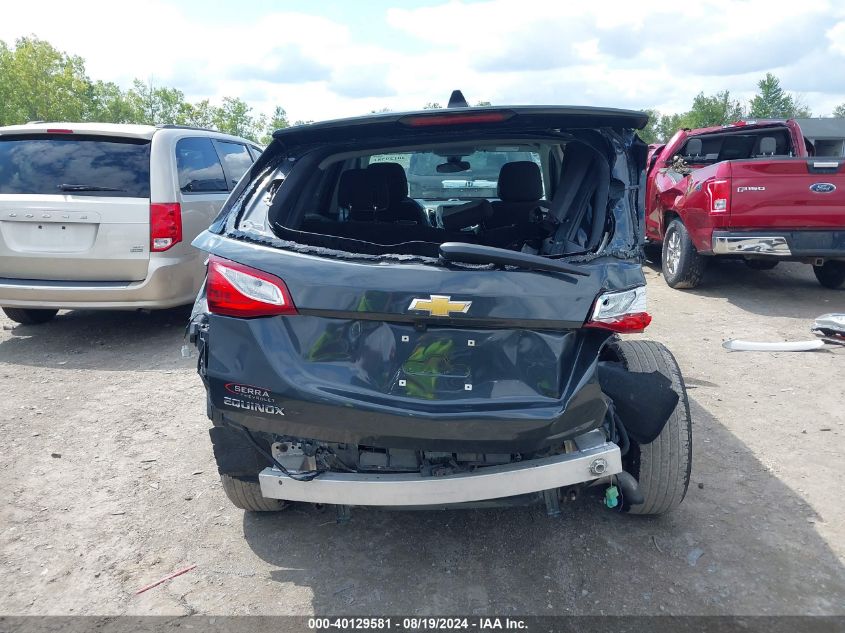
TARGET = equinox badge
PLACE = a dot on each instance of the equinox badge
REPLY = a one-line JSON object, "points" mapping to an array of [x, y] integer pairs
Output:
{"points": [[440, 305]]}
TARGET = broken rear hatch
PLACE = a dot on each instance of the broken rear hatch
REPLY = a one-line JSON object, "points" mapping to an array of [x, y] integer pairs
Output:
{"points": [[483, 349]]}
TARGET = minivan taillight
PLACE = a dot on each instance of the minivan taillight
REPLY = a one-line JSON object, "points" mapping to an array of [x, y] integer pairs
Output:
{"points": [[622, 312], [233, 289], [165, 225], [718, 195]]}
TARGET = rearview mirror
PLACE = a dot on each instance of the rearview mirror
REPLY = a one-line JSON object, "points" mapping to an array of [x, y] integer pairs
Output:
{"points": [[453, 167]]}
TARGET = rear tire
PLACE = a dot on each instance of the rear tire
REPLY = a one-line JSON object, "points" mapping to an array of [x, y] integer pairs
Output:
{"points": [[761, 264], [683, 266], [831, 274], [662, 467], [28, 316], [246, 495]]}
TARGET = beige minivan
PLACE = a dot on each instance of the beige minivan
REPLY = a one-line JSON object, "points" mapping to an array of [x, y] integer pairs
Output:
{"points": [[96, 215]]}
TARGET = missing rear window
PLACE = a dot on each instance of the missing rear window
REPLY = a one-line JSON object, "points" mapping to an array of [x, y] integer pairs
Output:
{"points": [[542, 197]]}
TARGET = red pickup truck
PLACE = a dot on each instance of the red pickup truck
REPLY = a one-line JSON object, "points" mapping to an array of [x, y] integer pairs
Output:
{"points": [[752, 190]]}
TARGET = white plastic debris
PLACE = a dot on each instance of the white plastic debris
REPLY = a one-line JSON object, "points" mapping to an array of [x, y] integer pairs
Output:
{"points": [[735, 345]]}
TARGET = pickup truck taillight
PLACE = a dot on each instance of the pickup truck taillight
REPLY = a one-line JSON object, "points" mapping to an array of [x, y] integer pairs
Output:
{"points": [[236, 290], [165, 225], [622, 312], [718, 195]]}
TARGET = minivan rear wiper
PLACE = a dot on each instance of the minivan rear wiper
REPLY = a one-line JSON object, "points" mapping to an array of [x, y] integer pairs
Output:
{"points": [[66, 187], [479, 254]]}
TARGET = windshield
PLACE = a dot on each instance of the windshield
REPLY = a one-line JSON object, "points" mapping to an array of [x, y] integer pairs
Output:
{"points": [[69, 164]]}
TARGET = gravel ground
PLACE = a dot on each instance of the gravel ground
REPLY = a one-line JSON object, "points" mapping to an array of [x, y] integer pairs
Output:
{"points": [[107, 483]]}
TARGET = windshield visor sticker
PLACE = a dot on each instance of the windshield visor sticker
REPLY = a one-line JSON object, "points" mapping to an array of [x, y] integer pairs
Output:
{"points": [[251, 398]]}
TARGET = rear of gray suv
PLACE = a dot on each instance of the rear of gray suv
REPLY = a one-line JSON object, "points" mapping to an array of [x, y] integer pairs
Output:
{"points": [[101, 216]]}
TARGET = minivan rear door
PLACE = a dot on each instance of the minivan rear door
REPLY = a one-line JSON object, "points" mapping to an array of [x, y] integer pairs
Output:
{"points": [[74, 207]]}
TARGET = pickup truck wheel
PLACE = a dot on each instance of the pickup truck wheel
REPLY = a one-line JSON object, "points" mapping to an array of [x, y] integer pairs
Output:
{"points": [[246, 495], [761, 264], [682, 265], [831, 274], [28, 316], [662, 467]]}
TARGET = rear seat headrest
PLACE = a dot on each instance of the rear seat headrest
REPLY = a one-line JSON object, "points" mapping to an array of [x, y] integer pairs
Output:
{"points": [[359, 189], [768, 146], [393, 174], [520, 181]]}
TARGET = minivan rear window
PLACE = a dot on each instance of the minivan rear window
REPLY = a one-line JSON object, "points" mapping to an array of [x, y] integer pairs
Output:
{"points": [[68, 164]]}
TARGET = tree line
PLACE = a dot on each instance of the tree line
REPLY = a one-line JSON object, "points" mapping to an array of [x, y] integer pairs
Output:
{"points": [[40, 83], [770, 102]]}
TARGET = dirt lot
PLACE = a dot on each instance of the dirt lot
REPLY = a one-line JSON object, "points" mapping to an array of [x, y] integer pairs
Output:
{"points": [[107, 483]]}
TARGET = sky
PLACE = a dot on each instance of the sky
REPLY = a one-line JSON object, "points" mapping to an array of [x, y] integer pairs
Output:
{"points": [[328, 59]]}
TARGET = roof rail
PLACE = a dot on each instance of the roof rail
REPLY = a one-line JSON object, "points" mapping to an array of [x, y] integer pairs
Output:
{"points": [[173, 126]]}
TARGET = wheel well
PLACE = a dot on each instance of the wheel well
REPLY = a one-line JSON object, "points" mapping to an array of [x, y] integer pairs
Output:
{"points": [[668, 216]]}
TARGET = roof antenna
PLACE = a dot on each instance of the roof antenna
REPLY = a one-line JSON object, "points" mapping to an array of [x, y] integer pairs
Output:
{"points": [[457, 100]]}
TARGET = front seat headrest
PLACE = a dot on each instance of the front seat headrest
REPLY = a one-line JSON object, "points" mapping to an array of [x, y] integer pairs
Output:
{"points": [[694, 146], [520, 181]]}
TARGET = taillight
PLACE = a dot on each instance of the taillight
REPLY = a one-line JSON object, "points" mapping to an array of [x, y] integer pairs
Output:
{"points": [[622, 312], [236, 290], [430, 120], [165, 225], [718, 194]]}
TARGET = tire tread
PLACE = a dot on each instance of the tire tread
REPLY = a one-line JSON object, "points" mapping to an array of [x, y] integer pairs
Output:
{"points": [[691, 265], [666, 463], [246, 495]]}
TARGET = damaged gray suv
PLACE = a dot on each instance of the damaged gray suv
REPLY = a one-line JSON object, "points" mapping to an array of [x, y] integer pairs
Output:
{"points": [[361, 347]]}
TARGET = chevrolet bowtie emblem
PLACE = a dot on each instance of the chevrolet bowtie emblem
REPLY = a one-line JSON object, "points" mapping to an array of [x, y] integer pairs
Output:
{"points": [[440, 305]]}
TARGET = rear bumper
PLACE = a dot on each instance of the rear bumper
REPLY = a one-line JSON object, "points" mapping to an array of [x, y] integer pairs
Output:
{"points": [[594, 459], [170, 282], [780, 244]]}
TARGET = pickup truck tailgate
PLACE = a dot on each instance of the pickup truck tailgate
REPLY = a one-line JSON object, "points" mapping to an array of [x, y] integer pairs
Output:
{"points": [[788, 193]]}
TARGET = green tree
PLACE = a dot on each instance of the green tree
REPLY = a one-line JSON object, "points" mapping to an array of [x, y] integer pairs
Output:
{"points": [[278, 121], [109, 104], [773, 102], [38, 82], [649, 133], [432, 105], [718, 109], [155, 104], [481, 104], [235, 117], [839, 111], [199, 114]]}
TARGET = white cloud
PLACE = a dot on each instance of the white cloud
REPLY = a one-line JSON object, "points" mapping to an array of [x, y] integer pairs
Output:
{"points": [[645, 54]]}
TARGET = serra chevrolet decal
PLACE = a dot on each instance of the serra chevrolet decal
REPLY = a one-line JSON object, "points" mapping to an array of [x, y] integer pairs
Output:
{"points": [[250, 398]]}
